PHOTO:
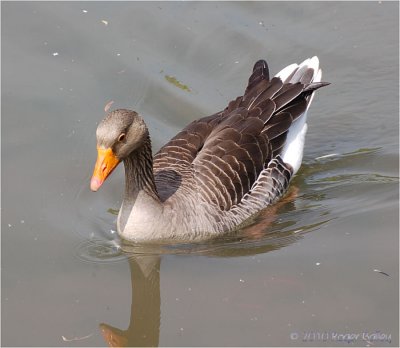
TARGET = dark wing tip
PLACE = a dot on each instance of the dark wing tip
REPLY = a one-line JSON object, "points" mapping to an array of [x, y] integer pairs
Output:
{"points": [[315, 85], [260, 64], [260, 73]]}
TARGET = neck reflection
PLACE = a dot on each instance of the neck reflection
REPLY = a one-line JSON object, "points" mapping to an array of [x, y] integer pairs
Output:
{"points": [[144, 325]]}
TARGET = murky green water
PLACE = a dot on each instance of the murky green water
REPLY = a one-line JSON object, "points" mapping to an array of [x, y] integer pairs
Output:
{"points": [[319, 268]]}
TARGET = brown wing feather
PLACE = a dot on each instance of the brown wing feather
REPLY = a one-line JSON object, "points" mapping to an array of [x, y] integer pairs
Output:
{"points": [[224, 154]]}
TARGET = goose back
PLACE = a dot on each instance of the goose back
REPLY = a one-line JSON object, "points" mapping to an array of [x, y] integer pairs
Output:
{"points": [[218, 159]]}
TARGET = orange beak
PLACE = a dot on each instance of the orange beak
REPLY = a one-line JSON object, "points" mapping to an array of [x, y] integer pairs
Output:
{"points": [[105, 164]]}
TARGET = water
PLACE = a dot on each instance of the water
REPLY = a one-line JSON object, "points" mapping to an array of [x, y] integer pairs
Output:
{"points": [[321, 263]]}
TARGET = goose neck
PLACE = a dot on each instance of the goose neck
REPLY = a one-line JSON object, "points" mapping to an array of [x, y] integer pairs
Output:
{"points": [[139, 177]]}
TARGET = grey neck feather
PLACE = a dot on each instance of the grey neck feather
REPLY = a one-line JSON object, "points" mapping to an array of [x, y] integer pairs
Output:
{"points": [[141, 210], [139, 173]]}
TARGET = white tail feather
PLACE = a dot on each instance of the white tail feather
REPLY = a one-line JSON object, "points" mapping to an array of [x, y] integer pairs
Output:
{"points": [[285, 72], [292, 152]]}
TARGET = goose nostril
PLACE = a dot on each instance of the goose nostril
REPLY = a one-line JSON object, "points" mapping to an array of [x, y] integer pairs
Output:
{"points": [[103, 167]]}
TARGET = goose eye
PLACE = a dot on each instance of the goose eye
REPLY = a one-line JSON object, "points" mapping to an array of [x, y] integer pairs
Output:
{"points": [[122, 137]]}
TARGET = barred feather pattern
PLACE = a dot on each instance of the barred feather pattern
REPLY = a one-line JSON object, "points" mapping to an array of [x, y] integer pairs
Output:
{"points": [[222, 169]]}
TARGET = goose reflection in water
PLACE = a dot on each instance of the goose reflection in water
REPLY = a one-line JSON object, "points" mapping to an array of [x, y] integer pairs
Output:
{"points": [[144, 264], [144, 325]]}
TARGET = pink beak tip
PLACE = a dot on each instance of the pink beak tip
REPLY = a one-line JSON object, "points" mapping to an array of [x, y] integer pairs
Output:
{"points": [[95, 184]]}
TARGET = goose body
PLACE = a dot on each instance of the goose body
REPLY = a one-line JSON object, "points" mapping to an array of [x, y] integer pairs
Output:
{"points": [[219, 170]]}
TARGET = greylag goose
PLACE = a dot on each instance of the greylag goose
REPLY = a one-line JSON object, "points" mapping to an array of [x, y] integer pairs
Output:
{"points": [[219, 170]]}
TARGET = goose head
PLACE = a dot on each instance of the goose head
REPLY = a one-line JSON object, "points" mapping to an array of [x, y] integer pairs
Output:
{"points": [[118, 135]]}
